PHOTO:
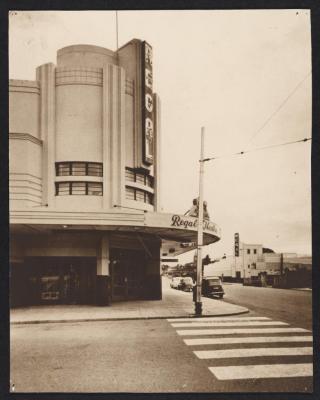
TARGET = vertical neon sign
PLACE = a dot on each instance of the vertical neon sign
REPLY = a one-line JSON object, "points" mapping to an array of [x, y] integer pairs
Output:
{"points": [[147, 104]]}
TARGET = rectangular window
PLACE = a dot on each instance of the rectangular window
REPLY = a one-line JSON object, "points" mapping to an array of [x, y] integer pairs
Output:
{"points": [[149, 198], [62, 189], [63, 169], [248, 251], [94, 169], [255, 251], [140, 195], [150, 181], [130, 193], [129, 175], [79, 188], [94, 188], [78, 169], [140, 179]]}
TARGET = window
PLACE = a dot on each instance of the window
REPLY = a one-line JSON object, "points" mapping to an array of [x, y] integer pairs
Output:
{"points": [[139, 195], [76, 168], [79, 188], [249, 266], [94, 188], [140, 179], [62, 169], [248, 251], [62, 189], [139, 176], [94, 169], [129, 175], [255, 251], [130, 193]]}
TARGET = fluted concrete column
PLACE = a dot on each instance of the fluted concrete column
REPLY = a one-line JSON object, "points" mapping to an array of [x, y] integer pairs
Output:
{"points": [[113, 135], [46, 77]]}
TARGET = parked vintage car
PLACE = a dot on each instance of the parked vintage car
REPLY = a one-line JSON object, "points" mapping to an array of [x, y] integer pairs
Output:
{"points": [[176, 282], [211, 286], [186, 284]]}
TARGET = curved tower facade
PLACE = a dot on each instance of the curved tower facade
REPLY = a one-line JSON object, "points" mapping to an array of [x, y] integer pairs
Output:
{"points": [[90, 131]]}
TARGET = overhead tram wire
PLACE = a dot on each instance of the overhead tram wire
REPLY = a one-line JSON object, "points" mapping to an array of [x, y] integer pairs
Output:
{"points": [[257, 149], [279, 107]]}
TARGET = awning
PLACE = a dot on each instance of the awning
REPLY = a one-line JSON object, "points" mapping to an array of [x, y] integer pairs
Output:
{"points": [[173, 228]]}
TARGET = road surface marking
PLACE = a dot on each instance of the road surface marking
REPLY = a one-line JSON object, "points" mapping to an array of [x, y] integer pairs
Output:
{"points": [[233, 331], [203, 319], [217, 324], [262, 371], [255, 352], [257, 339]]}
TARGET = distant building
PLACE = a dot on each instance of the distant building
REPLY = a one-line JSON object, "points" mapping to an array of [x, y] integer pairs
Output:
{"points": [[254, 260]]}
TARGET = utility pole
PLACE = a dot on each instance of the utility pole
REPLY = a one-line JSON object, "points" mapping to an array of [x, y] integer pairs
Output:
{"points": [[198, 303]]}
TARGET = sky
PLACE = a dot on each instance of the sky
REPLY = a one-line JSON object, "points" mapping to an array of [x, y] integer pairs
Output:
{"points": [[244, 75]]}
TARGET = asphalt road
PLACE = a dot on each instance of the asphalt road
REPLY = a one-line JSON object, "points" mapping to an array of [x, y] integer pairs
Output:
{"points": [[292, 306], [146, 356]]}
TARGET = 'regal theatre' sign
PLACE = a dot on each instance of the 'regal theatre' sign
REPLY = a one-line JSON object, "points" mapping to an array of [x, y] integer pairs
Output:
{"points": [[183, 222], [167, 223]]}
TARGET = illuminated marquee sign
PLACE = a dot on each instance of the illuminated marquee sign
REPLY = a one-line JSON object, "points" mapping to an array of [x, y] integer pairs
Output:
{"points": [[147, 104]]}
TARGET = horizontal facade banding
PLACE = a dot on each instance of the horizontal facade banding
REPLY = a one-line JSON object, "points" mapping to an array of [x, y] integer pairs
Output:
{"points": [[24, 136], [79, 76], [16, 85]]}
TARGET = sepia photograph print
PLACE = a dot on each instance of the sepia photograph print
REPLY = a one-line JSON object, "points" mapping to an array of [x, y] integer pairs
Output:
{"points": [[160, 201]]}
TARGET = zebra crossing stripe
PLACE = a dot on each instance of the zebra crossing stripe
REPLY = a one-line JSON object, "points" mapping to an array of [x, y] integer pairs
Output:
{"points": [[262, 371], [213, 323], [253, 339], [256, 352], [232, 331], [222, 319]]}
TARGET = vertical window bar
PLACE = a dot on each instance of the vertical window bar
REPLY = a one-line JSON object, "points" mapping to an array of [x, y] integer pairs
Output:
{"points": [[87, 188], [70, 168], [70, 188], [87, 169]]}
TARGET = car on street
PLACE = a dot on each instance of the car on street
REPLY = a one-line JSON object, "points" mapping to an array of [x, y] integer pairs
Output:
{"points": [[211, 286], [176, 282], [186, 284]]}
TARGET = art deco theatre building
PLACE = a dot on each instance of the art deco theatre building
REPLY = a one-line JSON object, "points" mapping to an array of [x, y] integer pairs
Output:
{"points": [[85, 221]]}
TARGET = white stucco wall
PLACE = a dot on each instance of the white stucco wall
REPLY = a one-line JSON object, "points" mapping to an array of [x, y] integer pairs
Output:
{"points": [[79, 123], [25, 162], [24, 107]]}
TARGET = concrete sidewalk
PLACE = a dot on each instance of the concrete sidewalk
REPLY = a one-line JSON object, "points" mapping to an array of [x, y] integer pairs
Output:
{"points": [[174, 303]]}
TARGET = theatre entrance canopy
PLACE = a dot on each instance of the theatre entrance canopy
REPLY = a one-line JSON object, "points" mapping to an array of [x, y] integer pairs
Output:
{"points": [[177, 232]]}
